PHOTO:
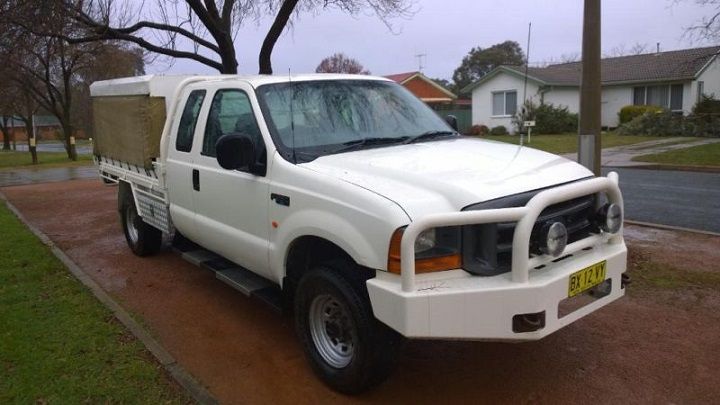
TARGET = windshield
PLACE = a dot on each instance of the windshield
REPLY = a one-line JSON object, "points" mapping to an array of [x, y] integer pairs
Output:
{"points": [[309, 119]]}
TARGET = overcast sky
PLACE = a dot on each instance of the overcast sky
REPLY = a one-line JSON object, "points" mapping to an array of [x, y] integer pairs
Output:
{"points": [[446, 30]]}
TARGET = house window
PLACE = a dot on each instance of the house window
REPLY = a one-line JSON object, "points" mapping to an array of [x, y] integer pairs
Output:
{"points": [[676, 97], [504, 103], [666, 96], [701, 91], [639, 96]]}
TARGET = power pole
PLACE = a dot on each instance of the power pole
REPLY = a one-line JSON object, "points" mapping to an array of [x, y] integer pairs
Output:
{"points": [[589, 142]]}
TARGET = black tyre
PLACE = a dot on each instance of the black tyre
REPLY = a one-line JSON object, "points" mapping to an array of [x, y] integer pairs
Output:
{"points": [[143, 239], [347, 347]]}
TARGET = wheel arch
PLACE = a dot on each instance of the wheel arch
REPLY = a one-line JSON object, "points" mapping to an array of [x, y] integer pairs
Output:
{"points": [[308, 251]]}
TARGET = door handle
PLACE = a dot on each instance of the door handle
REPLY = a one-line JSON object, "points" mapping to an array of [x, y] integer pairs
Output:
{"points": [[280, 199], [196, 179]]}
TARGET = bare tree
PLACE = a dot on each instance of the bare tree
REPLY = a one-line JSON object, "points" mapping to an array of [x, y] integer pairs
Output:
{"points": [[707, 29], [623, 50], [201, 30], [339, 63], [17, 104], [46, 68], [25, 108]]}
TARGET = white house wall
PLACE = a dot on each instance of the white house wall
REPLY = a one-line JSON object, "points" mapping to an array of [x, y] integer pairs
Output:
{"points": [[563, 97], [711, 77], [482, 99], [614, 98]]}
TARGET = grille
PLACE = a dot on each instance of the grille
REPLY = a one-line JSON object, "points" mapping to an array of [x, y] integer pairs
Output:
{"points": [[487, 249]]}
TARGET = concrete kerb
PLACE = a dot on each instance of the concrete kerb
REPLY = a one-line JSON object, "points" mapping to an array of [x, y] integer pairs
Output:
{"points": [[182, 377], [670, 228]]}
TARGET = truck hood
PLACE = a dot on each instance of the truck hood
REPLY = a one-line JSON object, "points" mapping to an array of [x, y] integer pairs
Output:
{"points": [[448, 175]]}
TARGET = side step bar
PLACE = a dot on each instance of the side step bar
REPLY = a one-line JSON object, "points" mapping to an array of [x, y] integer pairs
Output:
{"points": [[230, 273]]}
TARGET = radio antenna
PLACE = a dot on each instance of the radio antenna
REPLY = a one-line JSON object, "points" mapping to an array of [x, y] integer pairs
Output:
{"points": [[292, 116], [525, 104]]}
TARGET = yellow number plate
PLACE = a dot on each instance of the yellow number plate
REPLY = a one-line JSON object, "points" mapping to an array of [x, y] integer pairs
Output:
{"points": [[586, 278]]}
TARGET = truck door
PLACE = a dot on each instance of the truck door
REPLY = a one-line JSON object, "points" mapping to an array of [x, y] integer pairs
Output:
{"points": [[180, 169], [232, 205]]}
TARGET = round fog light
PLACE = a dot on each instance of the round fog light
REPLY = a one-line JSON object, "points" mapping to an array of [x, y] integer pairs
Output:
{"points": [[555, 239], [611, 218]]}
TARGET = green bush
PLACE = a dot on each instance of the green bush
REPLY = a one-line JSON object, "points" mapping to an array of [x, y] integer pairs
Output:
{"points": [[479, 130], [664, 123], [704, 121], [499, 130], [708, 105], [705, 118], [630, 112], [548, 118]]}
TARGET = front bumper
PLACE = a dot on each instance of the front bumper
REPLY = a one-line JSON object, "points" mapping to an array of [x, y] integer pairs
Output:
{"points": [[457, 305]]}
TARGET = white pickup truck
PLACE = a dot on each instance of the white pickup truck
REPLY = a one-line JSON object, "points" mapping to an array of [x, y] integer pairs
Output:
{"points": [[368, 212]]}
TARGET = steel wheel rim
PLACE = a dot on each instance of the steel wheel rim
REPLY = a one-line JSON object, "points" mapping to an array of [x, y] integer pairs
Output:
{"points": [[130, 220], [332, 330]]}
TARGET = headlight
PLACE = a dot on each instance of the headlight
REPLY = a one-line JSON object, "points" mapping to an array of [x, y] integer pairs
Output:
{"points": [[610, 218], [435, 250], [555, 239], [425, 241]]}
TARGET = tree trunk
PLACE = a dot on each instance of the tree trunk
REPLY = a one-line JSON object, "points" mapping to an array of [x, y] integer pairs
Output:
{"points": [[228, 57], [5, 128], [31, 141], [6, 139], [273, 35], [69, 140]]}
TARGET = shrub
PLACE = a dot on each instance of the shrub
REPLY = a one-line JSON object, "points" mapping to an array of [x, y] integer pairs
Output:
{"points": [[654, 124], [548, 118], [499, 130], [704, 121], [708, 105], [630, 112], [479, 130]]}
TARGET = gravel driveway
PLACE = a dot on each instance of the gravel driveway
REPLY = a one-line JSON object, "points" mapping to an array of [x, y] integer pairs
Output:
{"points": [[653, 346]]}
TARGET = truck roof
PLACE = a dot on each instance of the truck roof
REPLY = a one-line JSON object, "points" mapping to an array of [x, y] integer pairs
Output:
{"points": [[165, 85]]}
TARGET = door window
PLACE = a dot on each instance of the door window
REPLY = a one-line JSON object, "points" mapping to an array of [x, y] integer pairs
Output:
{"points": [[188, 121], [230, 113]]}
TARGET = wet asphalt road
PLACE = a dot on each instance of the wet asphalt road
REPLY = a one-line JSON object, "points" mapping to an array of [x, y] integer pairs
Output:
{"points": [[55, 147], [30, 175], [676, 198]]}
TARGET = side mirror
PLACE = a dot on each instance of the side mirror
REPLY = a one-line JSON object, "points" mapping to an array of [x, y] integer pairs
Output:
{"points": [[452, 121], [235, 152]]}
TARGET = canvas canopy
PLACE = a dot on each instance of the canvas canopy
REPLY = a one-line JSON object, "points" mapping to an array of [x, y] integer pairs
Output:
{"points": [[129, 115], [129, 128]]}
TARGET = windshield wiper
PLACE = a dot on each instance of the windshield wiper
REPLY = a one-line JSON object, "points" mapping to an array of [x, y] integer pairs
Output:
{"points": [[429, 135], [360, 143]]}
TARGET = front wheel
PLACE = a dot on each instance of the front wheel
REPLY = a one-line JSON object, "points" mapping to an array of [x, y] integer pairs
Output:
{"points": [[143, 239], [347, 347]]}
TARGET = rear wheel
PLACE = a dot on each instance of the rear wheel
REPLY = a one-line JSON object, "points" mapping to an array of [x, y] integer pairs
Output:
{"points": [[143, 239], [347, 347]]}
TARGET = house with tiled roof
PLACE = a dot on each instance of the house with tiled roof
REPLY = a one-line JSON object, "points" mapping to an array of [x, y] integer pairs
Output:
{"points": [[675, 80], [424, 88]]}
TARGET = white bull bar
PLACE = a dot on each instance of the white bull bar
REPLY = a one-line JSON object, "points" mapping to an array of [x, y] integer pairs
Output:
{"points": [[524, 216]]}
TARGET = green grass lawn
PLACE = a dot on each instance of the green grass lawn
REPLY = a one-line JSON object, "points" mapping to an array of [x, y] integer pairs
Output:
{"points": [[567, 143], [701, 155], [58, 344], [45, 159]]}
